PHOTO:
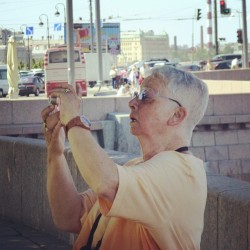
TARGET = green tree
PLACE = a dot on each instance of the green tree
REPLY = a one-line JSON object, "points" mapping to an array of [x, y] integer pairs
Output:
{"points": [[227, 49], [37, 64], [21, 65], [202, 54]]}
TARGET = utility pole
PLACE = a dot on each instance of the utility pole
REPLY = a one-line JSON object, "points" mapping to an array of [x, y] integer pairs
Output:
{"points": [[245, 40], [28, 51], [91, 27], [201, 37], [98, 43], [70, 44], [216, 29], [175, 43], [192, 39]]}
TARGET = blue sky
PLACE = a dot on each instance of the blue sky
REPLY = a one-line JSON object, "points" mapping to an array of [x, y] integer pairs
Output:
{"points": [[173, 17]]}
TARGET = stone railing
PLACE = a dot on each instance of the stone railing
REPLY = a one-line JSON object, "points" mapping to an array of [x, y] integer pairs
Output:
{"points": [[221, 139], [24, 199], [225, 74]]}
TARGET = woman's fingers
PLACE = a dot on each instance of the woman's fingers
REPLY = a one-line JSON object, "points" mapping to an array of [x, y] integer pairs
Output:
{"points": [[79, 90], [56, 130], [52, 120], [45, 112], [55, 139]]}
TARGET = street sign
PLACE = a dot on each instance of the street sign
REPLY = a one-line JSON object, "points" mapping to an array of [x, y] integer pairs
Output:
{"points": [[29, 31], [57, 27]]}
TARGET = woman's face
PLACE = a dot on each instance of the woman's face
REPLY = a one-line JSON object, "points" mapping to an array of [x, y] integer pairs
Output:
{"points": [[149, 115]]}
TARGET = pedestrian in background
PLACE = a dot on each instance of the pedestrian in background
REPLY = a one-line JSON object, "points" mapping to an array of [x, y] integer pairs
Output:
{"points": [[113, 74], [235, 63], [144, 72], [124, 90], [209, 65], [156, 201], [134, 78], [124, 75]]}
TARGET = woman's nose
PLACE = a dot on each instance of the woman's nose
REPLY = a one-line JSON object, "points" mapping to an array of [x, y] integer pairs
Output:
{"points": [[133, 103]]}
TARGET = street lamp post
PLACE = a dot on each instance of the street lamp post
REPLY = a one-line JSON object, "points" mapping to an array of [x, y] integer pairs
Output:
{"points": [[57, 13], [4, 42], [239, 14], [4, 38], [21, 27], [41, 24], [13, 32]]}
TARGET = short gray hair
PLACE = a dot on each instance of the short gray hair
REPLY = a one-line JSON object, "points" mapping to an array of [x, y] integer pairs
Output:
{"points": [[187, 89]]}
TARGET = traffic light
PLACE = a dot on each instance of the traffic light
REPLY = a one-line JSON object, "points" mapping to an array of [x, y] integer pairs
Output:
{"points": [[222, 6], [223, 9], [227, 11], [198, 14], [239, 36]]}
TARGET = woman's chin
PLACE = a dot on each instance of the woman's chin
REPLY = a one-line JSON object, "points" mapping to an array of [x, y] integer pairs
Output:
{"points": [[134, 130]]}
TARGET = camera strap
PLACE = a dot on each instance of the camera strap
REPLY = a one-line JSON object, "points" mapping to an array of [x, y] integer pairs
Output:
{"points": [[91, 235], [181, 149]]}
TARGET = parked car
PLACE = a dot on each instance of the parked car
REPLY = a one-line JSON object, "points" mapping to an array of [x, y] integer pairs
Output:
{"points": [[151, 63], [31, 85], [225, 57], [34, 71], [23, 73], [162, 63], [189, 67], [40, 74], [220, 58], [158, 59], [222, 64], [159, 63], [4, 86]]}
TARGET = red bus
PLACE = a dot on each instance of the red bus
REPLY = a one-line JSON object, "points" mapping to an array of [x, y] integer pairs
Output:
{"points": [[56, 68]]}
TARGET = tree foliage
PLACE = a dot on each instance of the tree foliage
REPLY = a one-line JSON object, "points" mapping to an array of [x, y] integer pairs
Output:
{"points": [[35, 64]]}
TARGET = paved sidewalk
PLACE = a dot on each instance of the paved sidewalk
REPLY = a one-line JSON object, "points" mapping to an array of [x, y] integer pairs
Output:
{"points": [[18, 237]]}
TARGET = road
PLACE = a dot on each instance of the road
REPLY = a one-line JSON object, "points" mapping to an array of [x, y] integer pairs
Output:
{"points": [[215, 87], [103, 91]]}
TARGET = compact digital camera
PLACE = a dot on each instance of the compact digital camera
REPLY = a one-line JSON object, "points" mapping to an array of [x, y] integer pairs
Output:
{"points": [[49, 89], [50, 86]]}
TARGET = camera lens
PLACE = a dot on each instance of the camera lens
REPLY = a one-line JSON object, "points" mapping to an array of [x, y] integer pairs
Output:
{"points": [[53, 100]]}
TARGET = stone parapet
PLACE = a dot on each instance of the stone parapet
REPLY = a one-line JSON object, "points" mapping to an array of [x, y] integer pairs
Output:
{"points": [[225, 74], [223, 142], [227, 210], [113, 133], [24, 197], [221, 138]]}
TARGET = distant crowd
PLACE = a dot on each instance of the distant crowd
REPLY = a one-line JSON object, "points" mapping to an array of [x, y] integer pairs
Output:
{"points": [[128, 80]]}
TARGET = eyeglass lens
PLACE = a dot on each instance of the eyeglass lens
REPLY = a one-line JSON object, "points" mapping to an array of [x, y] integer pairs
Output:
{"points": [[149, 94], [145, 94]]}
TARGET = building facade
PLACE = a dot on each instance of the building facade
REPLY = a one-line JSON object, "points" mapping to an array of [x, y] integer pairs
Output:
{"points": [[140, 46], [27, 47], [134, 46]]}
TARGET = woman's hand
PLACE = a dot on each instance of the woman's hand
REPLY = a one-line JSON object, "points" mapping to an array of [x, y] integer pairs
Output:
{"points": [[53, 130], [69, 101]]}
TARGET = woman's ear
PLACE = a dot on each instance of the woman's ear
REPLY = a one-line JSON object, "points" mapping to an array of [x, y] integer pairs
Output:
{"points": [[177, 117]]}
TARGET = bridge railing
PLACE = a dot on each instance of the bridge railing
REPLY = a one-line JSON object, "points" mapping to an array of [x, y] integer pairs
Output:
{"points": [[24, 198]]}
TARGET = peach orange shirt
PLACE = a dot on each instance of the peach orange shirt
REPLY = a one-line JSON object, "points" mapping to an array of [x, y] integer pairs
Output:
{"points": [[159, 204]]}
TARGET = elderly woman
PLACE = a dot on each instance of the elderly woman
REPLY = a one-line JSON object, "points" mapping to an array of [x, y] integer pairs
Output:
{"points": [[156, 201]]}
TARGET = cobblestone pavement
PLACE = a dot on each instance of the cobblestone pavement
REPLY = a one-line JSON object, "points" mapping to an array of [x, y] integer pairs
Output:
{"points": [[19, 237]]}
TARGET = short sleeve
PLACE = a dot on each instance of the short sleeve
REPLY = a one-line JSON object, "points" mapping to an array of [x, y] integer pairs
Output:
{"points": [[148, 192]]}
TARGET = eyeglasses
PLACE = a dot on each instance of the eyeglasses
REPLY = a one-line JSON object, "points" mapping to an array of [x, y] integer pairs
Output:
{"points": [[148, 95]]}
